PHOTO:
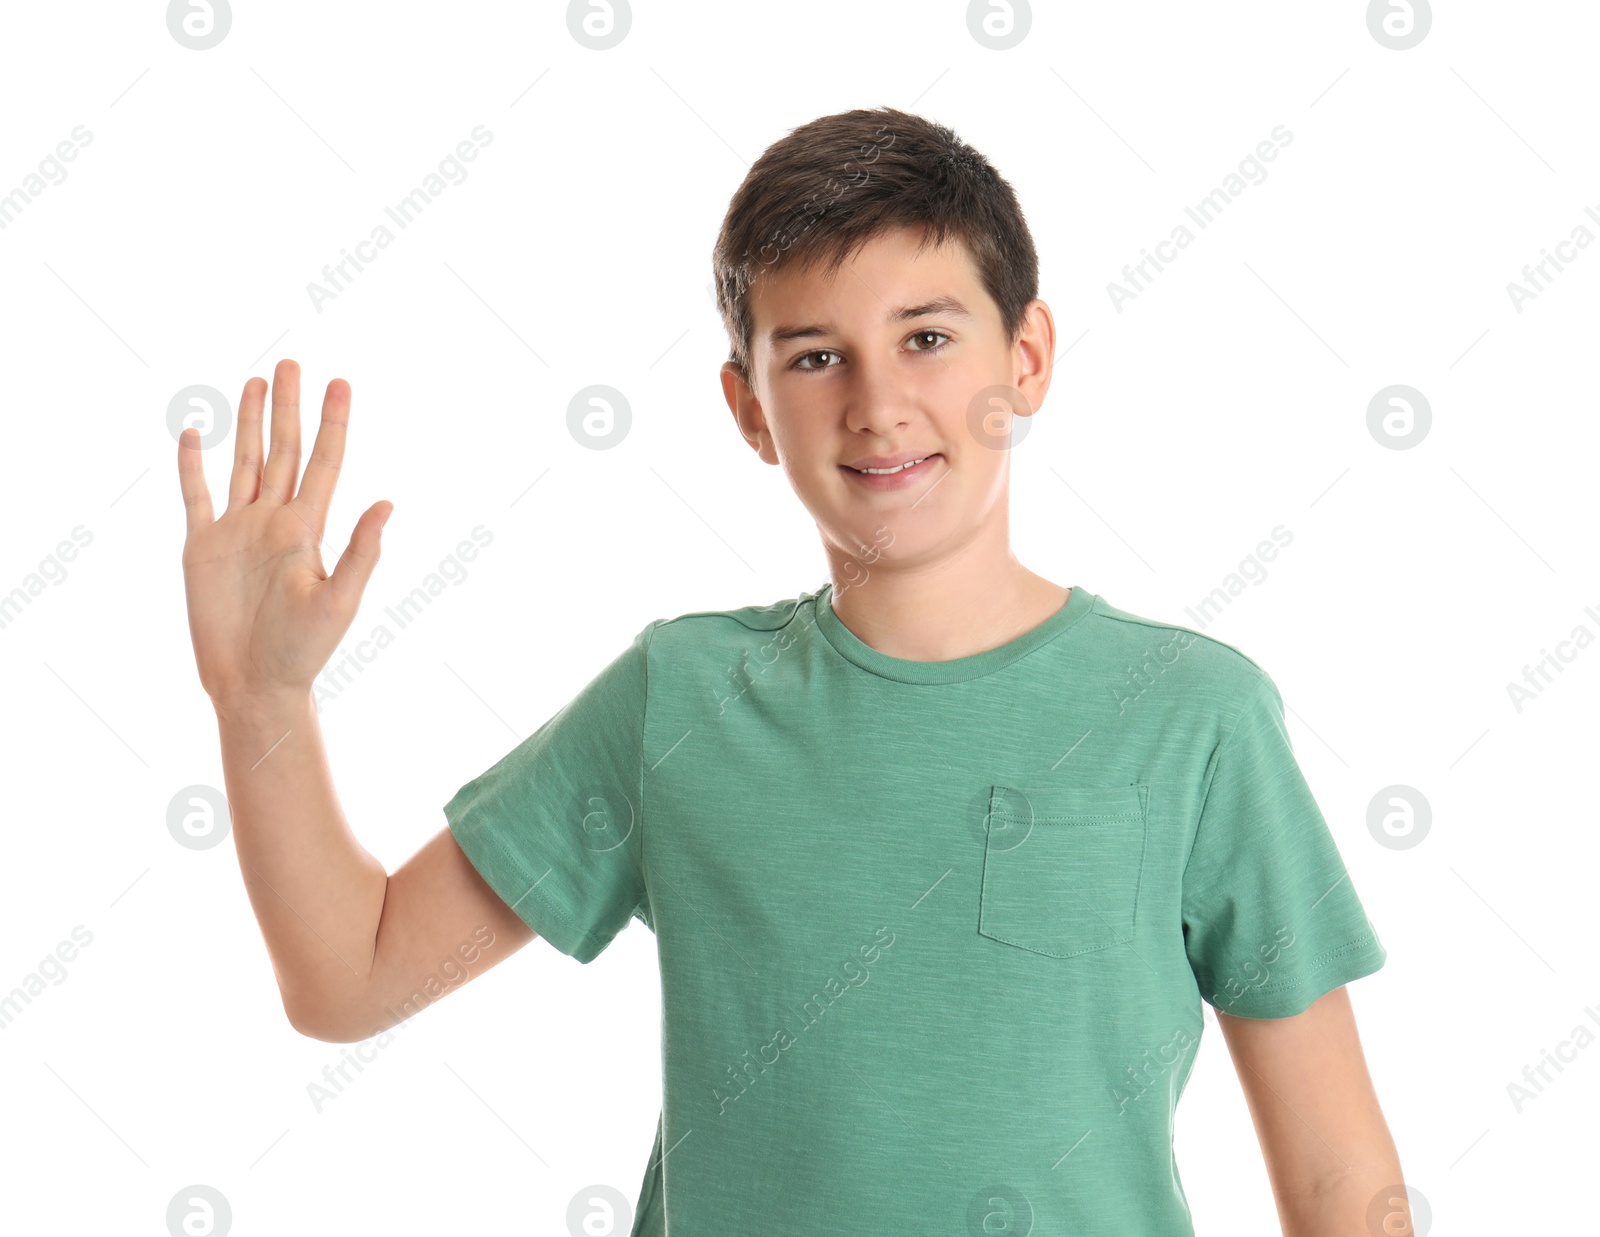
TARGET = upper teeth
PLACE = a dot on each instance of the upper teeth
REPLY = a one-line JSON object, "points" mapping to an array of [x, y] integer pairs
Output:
{"points": [[897, 468]]}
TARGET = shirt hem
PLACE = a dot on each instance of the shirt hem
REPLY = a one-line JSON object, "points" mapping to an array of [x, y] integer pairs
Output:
{"points": [[536, 907], [1351, 961]]}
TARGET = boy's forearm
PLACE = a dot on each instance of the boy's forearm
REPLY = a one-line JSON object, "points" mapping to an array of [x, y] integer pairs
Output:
{"points": [[316, 891]]}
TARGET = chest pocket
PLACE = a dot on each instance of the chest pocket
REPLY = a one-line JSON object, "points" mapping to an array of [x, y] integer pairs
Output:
{"points": [[1062, 867]]}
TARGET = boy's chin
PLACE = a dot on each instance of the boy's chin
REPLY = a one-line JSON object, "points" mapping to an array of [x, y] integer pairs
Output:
{"points": [[889, 535]]}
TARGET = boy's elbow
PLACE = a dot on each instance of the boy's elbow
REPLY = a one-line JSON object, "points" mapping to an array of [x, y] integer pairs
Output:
{"points": [[317, 1032], [316, 1024]]}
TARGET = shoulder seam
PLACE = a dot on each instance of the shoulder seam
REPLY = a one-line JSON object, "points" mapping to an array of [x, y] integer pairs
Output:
{"points": [[1138, 621], [792, 607]]}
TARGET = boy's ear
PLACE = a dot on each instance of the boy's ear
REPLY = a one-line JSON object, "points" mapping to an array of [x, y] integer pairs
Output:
{"points": [[747, 413], [1035, 351]]}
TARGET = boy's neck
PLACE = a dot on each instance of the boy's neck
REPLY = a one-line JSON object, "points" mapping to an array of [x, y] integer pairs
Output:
{"points": [[940, 614]]}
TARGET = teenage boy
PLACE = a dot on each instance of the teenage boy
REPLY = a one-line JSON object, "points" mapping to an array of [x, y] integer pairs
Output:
{"points": [[941, 858]]}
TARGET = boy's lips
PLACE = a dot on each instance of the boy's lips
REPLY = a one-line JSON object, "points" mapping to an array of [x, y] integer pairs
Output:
{"points": [[893, 480], [888, 461]]}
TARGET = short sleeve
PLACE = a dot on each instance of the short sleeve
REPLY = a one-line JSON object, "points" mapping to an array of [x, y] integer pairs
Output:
{"points": [[556, 825], [1271, 921]]}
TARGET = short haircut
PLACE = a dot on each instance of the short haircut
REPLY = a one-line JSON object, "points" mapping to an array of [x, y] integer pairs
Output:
{"points": [[830, 186]]}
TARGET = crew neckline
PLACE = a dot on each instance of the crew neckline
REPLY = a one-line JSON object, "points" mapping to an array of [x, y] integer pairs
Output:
{"points": [[904, 670]]}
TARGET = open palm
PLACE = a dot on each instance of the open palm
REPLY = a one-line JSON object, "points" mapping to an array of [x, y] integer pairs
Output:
{"points": [[263, 614]]}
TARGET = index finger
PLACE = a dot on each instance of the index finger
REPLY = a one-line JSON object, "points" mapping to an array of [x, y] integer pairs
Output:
{"points": [[327, 455]]}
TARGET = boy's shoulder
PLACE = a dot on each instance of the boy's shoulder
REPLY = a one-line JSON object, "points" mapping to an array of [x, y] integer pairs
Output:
{"points": [[712, 624], [1137, 639], [689, 639]]}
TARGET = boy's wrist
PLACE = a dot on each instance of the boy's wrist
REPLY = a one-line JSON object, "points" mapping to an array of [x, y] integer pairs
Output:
{"points": [[256, 708]]}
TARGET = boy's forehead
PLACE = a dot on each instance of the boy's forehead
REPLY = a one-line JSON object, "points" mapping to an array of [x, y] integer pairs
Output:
{"points": [[888, 273]]}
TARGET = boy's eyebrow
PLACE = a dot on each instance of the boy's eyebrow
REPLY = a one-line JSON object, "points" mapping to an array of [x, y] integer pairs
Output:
{"points": [[938, 305]]}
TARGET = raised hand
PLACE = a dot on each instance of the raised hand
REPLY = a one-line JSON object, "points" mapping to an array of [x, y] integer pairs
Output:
{"points": [[263, 614]]}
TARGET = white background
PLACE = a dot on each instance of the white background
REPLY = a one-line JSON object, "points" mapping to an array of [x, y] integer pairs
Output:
{"points": [[1229, 398]]}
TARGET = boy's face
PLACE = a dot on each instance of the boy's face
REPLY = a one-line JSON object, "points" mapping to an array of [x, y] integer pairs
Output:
{"points": [[864, 381]]}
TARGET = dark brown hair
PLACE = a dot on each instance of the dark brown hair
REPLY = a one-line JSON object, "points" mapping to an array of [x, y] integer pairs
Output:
{"points": [[823, 191]]}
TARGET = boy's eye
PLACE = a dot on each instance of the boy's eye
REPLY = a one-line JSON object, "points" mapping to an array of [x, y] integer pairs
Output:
{"points": [[801, 362]]}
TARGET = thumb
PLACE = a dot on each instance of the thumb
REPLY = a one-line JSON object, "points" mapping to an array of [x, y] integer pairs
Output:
{"points": [[356, 564]]}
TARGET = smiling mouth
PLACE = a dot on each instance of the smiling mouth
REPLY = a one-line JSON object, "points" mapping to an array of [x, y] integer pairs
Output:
{"points": [[889, 472]]}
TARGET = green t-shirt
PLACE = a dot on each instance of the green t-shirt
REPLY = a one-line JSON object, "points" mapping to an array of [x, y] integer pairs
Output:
{"points": [[933, 936]]}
